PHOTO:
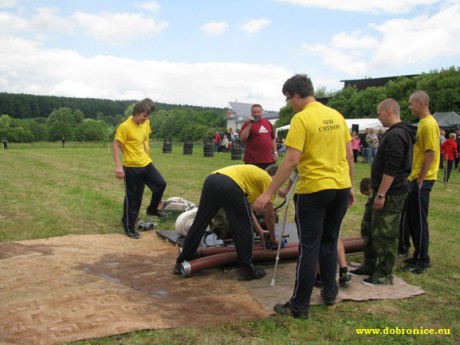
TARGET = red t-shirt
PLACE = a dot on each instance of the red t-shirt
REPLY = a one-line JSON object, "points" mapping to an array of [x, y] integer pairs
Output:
{"points": [[259, 142], [449, 147]]}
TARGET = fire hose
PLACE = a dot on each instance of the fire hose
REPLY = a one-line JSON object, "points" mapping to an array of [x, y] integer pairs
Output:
{"points": [[211, 257]]}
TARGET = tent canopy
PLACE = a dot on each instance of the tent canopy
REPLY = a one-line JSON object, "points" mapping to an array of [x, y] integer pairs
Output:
{"points": [[362, 123], [448, 120]]}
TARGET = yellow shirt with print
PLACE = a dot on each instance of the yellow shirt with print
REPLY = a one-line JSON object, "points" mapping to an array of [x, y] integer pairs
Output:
{"points": [[252, 179], [320, 133], [427, 138], [133, 137]]}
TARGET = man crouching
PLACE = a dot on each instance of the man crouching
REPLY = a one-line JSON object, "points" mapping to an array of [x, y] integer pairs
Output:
{"points": [[233, 188]]}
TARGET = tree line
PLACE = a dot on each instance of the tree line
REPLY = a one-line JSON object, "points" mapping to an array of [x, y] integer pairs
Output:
{"points": [[24, 119], [28, 118]]}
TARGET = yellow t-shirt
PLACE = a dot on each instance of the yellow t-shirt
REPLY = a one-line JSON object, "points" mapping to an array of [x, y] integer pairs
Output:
{"points": [[133, 137], [148, 130], [427, 138], [320, 133], [252, 180]]}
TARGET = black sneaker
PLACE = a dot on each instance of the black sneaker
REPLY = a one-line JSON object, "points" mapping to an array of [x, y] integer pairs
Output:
{"points": [[132, 234], [361, 271], [157, 213], [345, 278], [177, 269], [245, 275], [287, 310], [328, 300], [417, 269]]}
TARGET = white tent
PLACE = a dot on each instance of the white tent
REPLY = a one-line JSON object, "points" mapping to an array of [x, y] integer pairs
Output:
{"points": [[362, 123]]}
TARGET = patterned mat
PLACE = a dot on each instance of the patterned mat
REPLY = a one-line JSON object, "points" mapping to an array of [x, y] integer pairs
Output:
{"points": [[70, 288], [79, 287]]}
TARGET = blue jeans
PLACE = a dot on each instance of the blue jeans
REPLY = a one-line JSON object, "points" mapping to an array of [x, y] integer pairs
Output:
{"points": [[370, 154]]}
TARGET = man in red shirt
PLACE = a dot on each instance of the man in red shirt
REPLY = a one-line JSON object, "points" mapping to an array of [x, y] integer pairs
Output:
{"points": [[258, 135], [450, 152]]}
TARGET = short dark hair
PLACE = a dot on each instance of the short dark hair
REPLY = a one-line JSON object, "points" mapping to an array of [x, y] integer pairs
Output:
{"points": [[298, 84], [149, 105], [365, 186], [271, 169], [139, 107]]}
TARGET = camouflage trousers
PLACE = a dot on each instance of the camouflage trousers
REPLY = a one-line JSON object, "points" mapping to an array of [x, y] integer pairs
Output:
{"points": [[380, 232]]}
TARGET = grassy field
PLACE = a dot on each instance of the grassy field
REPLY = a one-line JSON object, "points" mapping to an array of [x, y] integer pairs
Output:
{"points": [[49, 191]]}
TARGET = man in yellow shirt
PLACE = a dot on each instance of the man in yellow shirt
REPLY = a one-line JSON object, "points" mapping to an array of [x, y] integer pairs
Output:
{"points": [[425, 166], [137, 169], [233, 188], [319, 144]]}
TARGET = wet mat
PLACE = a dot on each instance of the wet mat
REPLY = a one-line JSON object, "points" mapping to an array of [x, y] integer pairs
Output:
{"points": [[79, 287], [70, 288]]}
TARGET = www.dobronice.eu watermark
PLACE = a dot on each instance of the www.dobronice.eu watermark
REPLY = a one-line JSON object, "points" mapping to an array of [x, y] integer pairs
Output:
{"points": [[403, 331]]}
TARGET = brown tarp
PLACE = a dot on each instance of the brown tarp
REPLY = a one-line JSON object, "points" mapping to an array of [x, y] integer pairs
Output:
{"points": [[79, 287]]}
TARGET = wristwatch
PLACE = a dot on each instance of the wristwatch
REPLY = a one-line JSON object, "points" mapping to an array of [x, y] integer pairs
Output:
{"points": [[380, 196]]}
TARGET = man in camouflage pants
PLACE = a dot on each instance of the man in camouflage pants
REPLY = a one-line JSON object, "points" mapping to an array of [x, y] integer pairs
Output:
{"points": [[389, 172]]}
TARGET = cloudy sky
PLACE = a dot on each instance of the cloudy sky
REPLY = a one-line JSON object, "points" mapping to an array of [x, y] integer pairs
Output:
{"points": [[207, 52]]}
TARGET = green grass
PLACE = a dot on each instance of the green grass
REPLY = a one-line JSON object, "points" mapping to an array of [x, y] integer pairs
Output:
{"points": [[48, 191]]}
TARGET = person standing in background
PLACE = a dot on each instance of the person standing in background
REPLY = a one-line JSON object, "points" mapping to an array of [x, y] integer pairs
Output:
{"points": [[450, 152], [372, 142], [389, 185], [259, 137], [216, 140], [356, 146], [425, 167]]}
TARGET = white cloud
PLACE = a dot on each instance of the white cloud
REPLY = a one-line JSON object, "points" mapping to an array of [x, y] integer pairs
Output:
{"points": [[150, 6], [10, 23], [214, 28], [117, 28], [110, 28], [8, 3], [27, 67], [255, 25], [409, 42], [374, 6], [47, 19], [396, 43], [345, 62]]}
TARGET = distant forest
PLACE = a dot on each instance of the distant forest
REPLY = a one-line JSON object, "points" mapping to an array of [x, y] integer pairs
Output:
{"points": [[29, 118], [24, 106]]}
